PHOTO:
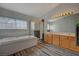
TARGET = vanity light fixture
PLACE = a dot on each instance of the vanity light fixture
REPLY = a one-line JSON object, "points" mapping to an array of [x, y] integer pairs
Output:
{"points": [[66, 13]]}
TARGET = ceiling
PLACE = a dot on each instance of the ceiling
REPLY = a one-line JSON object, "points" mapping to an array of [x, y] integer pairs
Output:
{"points": [[32, 9]]}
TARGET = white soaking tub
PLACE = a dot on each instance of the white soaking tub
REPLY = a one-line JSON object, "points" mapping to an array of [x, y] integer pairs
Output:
{"points": [[14, 44]]}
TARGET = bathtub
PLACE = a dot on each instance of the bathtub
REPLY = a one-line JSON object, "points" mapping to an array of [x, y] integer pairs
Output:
{"points": [[14, 44]]}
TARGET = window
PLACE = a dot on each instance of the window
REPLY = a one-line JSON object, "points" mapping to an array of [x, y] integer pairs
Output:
{"points": [[49, 26], [32, 25], [10, 23], [21, 24]]}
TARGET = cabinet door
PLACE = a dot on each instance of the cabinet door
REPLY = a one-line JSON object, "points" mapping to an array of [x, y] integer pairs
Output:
{"points": [[56, 40], [72, 42], [73, 45], [64, 41], [76, 48], [61, 41], [54, 37], [50, 38]]}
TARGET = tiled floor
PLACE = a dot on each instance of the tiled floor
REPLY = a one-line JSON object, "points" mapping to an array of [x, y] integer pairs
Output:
{"points": [[45, 50]]}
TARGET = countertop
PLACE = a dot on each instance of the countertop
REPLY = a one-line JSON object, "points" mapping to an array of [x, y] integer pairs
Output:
{"points": [[66, 34]]}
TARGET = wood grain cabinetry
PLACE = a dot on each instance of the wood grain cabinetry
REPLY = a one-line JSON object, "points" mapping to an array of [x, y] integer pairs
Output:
{"points": [[45, 38], [56, 40], [71, 42], [73, 45], [63, 41], [48, 38], [76, 48]]}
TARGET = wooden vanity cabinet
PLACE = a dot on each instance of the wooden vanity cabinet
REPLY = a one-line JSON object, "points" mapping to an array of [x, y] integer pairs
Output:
{"points": [[48, 38], [73, 45], [76, 48], [56, 40], [72, 42], [64, 43]]}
